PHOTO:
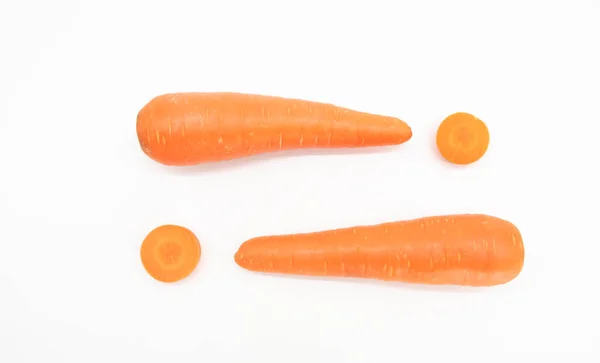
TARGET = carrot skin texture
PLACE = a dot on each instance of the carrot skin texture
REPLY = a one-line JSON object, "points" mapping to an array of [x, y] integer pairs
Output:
{"points": [[464, 249], [197, 127]]}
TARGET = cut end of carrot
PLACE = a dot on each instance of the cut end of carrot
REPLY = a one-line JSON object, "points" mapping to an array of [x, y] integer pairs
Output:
{"points": [[170, 253], [462, 138]]}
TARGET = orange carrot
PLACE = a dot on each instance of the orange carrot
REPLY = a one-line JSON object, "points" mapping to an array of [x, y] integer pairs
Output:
{"points": [[170, 253], [467, 249], [462, 138], [193, 128]]}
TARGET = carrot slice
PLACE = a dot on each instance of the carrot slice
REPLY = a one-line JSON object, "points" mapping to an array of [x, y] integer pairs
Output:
{"points": [[170, 253], [462, 138]]}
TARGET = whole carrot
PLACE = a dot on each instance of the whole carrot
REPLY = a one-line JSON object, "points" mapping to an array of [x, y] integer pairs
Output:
{"points": [[193, 128], [468, 249]]}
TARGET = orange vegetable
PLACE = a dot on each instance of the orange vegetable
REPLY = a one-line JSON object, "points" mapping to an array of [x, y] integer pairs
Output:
{"points": [[193, 128], [462, 138], [469, 249], [170, 253]]}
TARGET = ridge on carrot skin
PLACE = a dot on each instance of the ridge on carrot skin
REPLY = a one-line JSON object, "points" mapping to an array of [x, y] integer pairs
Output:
{"points": [[197, 127], [467, 250]]}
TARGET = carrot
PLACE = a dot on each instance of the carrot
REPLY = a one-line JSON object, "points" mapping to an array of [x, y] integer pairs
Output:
{"points": [[170, 253], [468, 249], [193, 128], [462, 138]]}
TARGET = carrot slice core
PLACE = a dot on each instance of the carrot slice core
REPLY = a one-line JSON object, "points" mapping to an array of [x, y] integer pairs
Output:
{"points": [[170, 253], [462, 138]]}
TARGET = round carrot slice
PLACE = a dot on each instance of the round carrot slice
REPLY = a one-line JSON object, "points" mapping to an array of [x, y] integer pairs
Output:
{"points": [[462, 138], [170, 253]]}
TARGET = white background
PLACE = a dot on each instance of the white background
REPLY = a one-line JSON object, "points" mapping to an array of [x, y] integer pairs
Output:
{"points": [[77, 195]]}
